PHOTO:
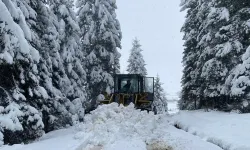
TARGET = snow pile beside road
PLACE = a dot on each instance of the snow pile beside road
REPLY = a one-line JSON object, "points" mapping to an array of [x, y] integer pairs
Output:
{"points": [[230, 131], [113, 127]]}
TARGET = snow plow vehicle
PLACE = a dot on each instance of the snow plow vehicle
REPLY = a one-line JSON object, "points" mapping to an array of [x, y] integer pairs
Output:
{"points": [[132, 88]]}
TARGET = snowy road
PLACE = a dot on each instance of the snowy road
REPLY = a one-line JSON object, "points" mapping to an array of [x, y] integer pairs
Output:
{"points": [[228, 130], [119, 128], [174, 140]]}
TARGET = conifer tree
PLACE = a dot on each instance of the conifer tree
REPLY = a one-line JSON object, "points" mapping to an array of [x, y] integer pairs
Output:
{"points": [[42, 84], [214, 70], [59, 104], [72, 57], [18, 62], [160, 101], [238, 80], [100, 38], [136, 63], [190, 93], [226, 30], [220, 49]]}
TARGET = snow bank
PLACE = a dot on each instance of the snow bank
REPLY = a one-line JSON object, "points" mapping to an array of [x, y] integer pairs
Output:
{"points": [[112, 127], [229, 131], [110, 123], [57, 140]]}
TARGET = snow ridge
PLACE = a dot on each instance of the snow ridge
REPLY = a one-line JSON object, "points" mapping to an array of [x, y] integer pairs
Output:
{"points": [[113, 127]]}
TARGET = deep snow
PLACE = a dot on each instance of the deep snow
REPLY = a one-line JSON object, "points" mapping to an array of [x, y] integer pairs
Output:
{"points": [[113, 127], [110, 127], [228, 130]]}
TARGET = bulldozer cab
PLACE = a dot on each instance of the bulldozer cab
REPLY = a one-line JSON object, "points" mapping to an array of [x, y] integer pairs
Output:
{"points": [[132, 88]]}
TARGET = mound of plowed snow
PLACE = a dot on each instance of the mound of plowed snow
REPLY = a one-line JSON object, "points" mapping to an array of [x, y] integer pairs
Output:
{"points": [[110, 123], [113, 127]]}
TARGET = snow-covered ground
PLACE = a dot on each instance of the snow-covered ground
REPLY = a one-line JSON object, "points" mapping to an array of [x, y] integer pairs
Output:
{"points": [[229, 131], [172, 106], [113, 127], [119, 128], [56, 140]]}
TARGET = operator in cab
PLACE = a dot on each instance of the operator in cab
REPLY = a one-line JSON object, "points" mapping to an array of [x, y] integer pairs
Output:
{"points": [[126, 87]]}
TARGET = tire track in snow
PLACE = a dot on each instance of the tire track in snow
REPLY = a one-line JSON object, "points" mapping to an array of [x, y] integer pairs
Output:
{"points": [[209, 140]]}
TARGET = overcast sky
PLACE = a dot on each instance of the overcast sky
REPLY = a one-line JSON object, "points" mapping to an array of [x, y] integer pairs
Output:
{"points": [[157, 25]]}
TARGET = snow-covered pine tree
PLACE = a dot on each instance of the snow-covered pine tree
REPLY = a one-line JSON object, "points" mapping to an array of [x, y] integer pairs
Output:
{"points": [[191, 93], [214, 70], [57, 109], [71, 54], [240, 84], [222, 34], [136, 63], [160, 104], [18, 60], [200, 64], [238, 80], [227, 30], [100, 38], [35, 69], [45, 40]]}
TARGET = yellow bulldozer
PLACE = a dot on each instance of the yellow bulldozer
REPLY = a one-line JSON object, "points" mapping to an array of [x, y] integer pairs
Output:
{"points": [[132, 88]]}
